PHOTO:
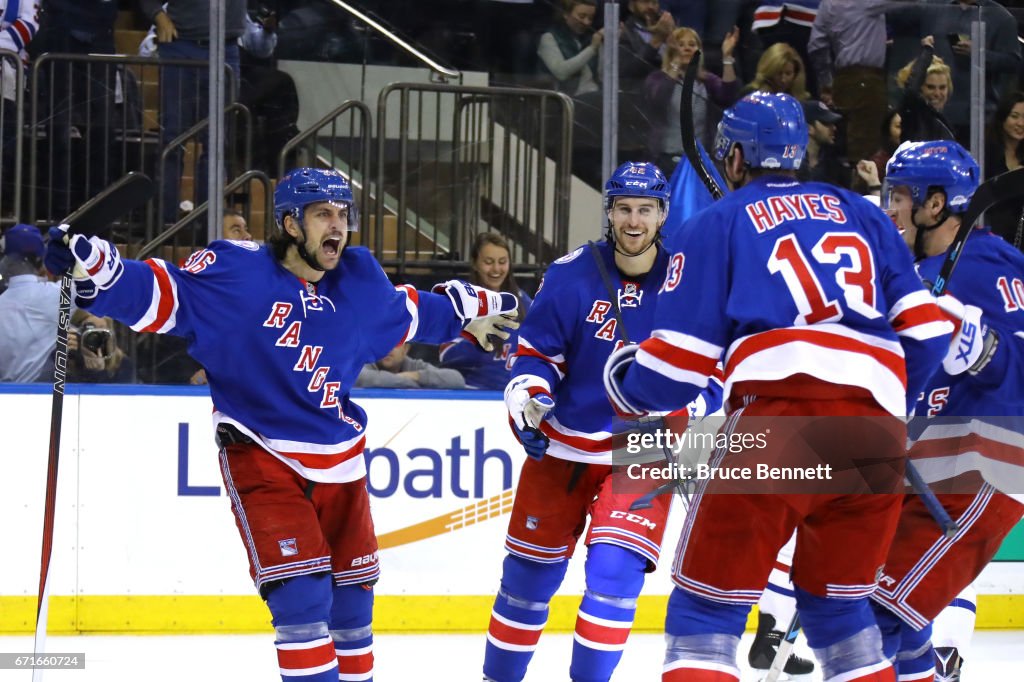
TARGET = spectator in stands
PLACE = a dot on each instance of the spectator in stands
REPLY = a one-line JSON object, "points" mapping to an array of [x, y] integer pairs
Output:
{"points": [[822, 162], [781, 70], [848, 38], [570, 50], [268, 92], [80, 95], [1004, 151], [16, 36], [234, 226], [95, 357], [644, 34], [491, 268], [927, 85], [28, 309], [888, 141], [397, 370], [664, 89], [949, 24], [788, 22], [182, 32]]}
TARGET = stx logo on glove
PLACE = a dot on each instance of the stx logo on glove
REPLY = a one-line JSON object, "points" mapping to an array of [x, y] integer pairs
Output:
{"points": [[968, 335]]}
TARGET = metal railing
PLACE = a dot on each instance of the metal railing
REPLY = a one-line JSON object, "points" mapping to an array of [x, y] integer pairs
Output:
{"points": [[457, 160], [196, 134], [198, 216], [93, 118], [341, 140], [442, 72]]}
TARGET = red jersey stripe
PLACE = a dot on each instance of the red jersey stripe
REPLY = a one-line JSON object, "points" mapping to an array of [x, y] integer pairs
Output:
{"points": [[679, 357], [780, 337], [164, 294], [317, 461]]}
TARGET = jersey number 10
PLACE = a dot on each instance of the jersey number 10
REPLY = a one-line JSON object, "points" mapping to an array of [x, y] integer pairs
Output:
{"points": [[857, 280]]}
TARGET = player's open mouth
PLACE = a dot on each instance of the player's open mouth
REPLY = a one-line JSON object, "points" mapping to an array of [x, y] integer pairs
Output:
{"points": [[633, 234], [332, 245]]}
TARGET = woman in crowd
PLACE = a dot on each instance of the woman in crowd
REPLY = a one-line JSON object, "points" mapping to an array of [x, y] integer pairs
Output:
{"points": [[491, 268], [1004, 151], [569, 51], [781, 70], [663, 92], [927, 84], [889, 139]]}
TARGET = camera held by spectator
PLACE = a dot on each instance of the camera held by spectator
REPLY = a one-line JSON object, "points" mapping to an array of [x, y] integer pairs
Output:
{"points": [[94, 339], [94, 353]]}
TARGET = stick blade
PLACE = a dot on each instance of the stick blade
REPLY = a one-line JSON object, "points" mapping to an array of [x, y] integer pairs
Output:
{"points": [[95, 216]]}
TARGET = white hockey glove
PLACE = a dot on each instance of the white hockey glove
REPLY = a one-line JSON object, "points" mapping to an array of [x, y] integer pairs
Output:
{"points": [[614, 374], [471, 302], [89, 258], [481, 329], [973, 344], [528, 401]]}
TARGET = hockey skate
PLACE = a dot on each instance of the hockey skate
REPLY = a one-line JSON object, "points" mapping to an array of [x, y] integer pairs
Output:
{"points": [[766, 643], [947, 664]]}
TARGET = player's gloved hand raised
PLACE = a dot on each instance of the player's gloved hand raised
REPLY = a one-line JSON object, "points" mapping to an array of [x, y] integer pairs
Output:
{"points": [[490, 313], [528, 402], [973, 343], [615, 368], [472, 302], [90, 258]]}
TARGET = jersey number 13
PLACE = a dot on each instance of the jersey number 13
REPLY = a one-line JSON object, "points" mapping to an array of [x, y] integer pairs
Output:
{"points": [[802, 276]]}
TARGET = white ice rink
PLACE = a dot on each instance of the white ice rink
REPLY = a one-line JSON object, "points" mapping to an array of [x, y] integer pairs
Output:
{"points": [[996, 656]]}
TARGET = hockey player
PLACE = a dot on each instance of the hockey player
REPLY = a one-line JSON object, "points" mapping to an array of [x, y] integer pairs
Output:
{"points": [[557, 408], [968, 435], [809, 293], [283, 330]]}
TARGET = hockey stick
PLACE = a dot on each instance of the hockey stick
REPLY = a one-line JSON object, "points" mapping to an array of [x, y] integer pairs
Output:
{"points": [[689, 134], [784, 651], [94, 217], [646, 501]]}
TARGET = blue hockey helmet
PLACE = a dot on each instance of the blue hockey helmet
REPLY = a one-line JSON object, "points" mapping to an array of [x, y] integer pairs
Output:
{"points": [[922, 167], [637, 179], [305, 186], [769, 127]]}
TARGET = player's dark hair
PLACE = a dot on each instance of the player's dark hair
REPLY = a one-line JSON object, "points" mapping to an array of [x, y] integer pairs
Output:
{"points": [[279, 241]]}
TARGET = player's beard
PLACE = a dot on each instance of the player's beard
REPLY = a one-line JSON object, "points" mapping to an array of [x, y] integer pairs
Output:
{"points": [[634, 246]]}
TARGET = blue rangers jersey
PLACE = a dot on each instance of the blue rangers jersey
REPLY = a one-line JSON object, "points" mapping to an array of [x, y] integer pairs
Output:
{"points": [[480, 368], [975, 422], [801, 283], [566, 339], [281, 354]]}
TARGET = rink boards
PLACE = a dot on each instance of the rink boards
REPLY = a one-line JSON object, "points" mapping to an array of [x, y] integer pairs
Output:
{"points": [[145, 540]]}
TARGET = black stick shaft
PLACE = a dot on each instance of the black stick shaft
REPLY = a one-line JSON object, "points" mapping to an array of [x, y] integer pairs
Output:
{"points": [[689, 134]]}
